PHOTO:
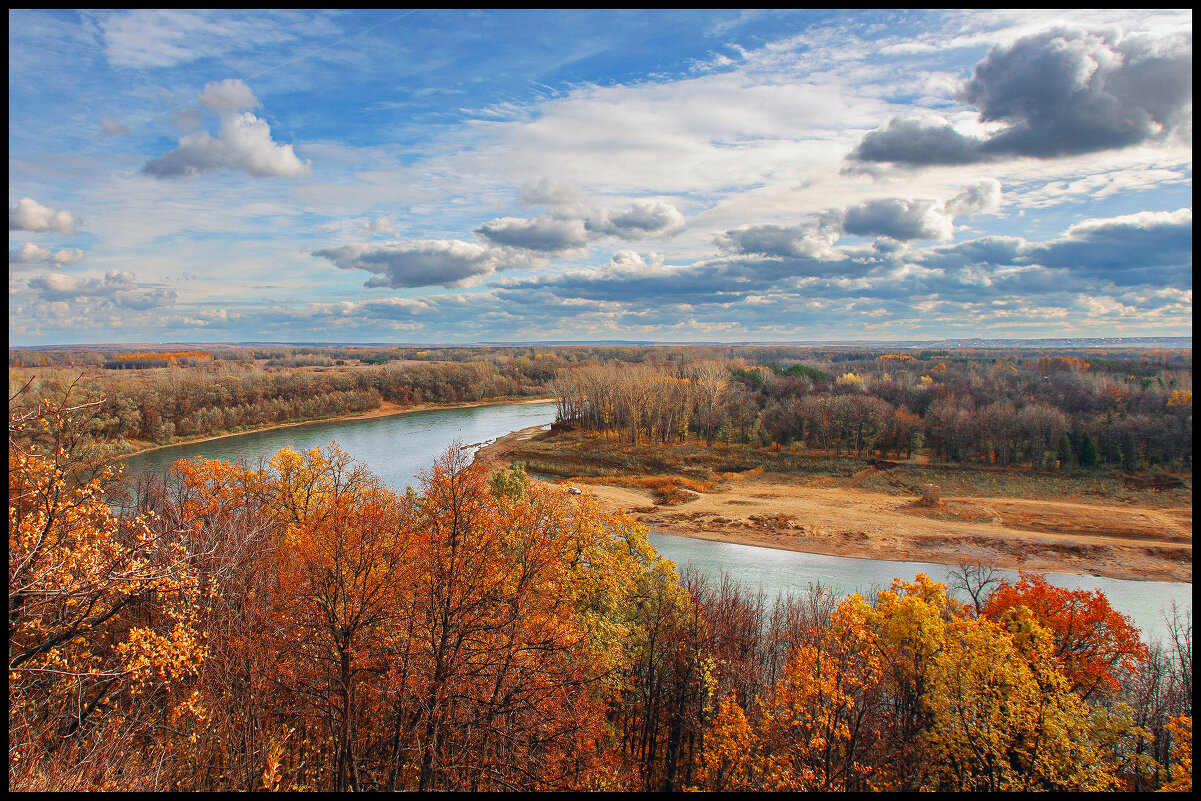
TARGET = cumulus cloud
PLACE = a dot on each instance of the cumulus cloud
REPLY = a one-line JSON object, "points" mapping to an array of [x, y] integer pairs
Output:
{"points": [[243, 141], [896, 219], [31, 254], [639, 221], [415, 263], [118, 287], [797, 241], [1061, 92], [572, 226], [29, 215], [543, 233], [919, 142], [899, 219]]}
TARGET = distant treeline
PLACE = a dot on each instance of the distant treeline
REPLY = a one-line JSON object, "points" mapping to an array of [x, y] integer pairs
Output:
{"points": [[1129, 408], [162, 406], [1044, 411]]}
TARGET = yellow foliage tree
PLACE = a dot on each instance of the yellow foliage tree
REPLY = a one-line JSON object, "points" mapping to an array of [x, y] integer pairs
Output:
{"points": [[1182, 755], [101, 617]]}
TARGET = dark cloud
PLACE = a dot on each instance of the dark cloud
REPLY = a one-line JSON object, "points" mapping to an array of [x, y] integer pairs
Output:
{"points": [[1145, 249], [572, 227], [787, 241], [918, 142], [544, 233], [1060, 92], [445, 262], [639, 221], [990, 250], [899, 219]]}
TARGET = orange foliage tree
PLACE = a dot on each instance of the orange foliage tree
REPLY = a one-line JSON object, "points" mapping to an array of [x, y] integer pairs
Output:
{"points": [[1094, 644]]}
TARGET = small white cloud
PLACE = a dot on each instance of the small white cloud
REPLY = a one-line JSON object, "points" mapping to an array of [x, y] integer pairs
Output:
{"points": [[33, 254], [112, 127], [29, 215], [381, 225]]}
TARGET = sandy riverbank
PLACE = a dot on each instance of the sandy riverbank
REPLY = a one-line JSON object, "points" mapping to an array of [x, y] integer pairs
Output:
{"points": [[1099, 536], [385, 409]]}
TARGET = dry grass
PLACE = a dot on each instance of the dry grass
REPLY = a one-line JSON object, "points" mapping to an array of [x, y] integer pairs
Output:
{"points": [[668, 490]]}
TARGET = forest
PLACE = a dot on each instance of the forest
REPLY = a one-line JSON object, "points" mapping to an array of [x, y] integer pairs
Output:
{"points": [[296, 625], [1041, 409]]}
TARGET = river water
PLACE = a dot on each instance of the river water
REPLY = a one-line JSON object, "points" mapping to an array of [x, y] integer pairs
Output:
{"points": [[400, 447]]}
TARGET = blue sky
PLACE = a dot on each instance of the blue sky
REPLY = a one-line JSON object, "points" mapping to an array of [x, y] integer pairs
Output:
{"points": [[462, 176]]}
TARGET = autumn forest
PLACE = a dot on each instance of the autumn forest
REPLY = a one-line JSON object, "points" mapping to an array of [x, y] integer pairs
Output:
{"points": [[298, 625]]}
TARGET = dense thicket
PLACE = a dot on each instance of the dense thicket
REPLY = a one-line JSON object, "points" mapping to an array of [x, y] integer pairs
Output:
{"points": [[300, 626]]}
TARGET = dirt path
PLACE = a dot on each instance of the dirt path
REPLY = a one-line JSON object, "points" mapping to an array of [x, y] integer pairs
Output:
{"points": [[1072, 535]]}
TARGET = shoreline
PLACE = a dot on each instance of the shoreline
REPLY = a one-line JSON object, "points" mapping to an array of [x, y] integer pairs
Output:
{"points": [[385, 409], [775, 512]]}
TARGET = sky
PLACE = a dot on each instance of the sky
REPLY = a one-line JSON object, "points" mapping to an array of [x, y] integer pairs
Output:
{"points": [[459, 176]]}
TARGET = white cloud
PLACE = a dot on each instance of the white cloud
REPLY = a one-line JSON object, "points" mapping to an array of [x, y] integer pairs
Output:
{"points": [[31, 254], [148, 38], [228, 95], [118, 288], [29, 215], [242, 143]]}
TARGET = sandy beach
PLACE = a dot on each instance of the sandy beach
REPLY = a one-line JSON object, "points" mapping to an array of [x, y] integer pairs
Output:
{"points": [[1097, 536]]}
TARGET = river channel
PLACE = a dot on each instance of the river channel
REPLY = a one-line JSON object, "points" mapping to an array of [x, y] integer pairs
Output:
{"points": [[398, 448]]}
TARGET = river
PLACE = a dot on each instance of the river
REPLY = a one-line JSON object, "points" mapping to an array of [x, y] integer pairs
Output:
{"points": [[398, 448]]}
